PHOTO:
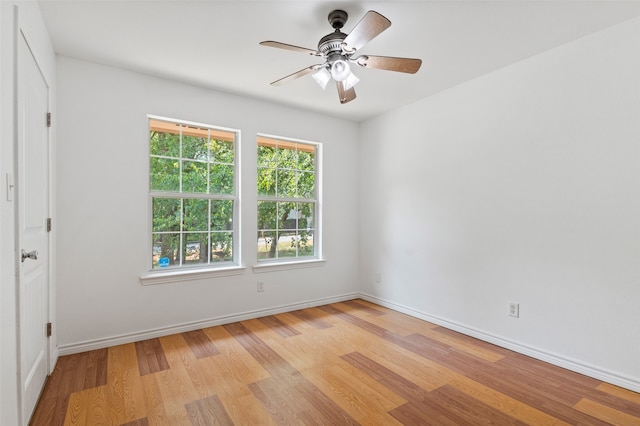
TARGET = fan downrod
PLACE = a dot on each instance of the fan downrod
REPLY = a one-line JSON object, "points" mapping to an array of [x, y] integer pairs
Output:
{"points": [[337, 18]]}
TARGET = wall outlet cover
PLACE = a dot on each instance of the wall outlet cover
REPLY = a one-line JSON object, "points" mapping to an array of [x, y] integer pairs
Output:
{"points": [[514, 309]]}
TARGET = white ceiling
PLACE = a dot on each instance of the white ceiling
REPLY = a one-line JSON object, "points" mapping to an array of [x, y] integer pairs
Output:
{"points": [[215, 43]]}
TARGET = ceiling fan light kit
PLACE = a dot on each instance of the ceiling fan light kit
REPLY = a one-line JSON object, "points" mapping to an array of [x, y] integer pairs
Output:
{"points": [[340, 70], [338, 49], [322, 77]]}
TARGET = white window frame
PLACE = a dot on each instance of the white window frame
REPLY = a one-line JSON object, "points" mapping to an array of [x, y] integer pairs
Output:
{"points": [[264, 265], [196, 271]]}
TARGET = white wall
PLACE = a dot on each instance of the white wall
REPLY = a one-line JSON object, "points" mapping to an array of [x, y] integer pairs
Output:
{"points": [[103, 206], [16, 17], [8, 345], [521, 185]]}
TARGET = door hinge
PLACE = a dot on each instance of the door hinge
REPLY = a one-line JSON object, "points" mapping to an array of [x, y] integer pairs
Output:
{"points": [[49, 327], [48, 119], [48, 224]]}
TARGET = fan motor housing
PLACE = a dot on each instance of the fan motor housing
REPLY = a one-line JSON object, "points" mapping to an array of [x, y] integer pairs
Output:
{"points": [[331, 43], [337, 18]]}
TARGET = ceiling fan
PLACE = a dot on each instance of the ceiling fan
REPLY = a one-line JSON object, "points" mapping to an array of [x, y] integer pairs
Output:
{"points": [[339, 49]]}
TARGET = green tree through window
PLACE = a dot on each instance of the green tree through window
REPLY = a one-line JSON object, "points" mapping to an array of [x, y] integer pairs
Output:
{"points": [[193, 194], [287, 199]]}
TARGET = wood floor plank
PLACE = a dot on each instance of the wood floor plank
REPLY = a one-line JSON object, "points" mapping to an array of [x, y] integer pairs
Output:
{"points": [[531, 366], [124, 389], [79, 403], [233, 392], [557, 404], [404, 320], [266, 356], [181, 359], [350, 362], [151, 358], [247, 410], [359, 322], [530, 390], [411, 414], [97, 409], [618, 392], [400, 385], [472, 341], [311, 354], [122, 357], [277, 402], [173, 395], [424, 373], [279, 326], [360, 396], [133, 395], [97, 364], [431, 375], [114, 396], [200, 344], [53, 404], [360, 306], [473, 411], [183, 362], [319, 312], [278, 397], [302, 352], [606, 414], [302, 326], [325, 410], [137, 422], [208, 411], [156, 414], [504, 403], [390, 323], [241, 364], [454, 341], [307, 316]]}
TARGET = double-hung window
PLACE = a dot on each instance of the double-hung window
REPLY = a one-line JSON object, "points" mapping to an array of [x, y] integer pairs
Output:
{"points": [[288, 199], [193, 194]]}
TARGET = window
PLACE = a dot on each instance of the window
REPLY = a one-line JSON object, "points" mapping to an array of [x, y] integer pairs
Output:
{"points": [[288, 202], [193, 199]]}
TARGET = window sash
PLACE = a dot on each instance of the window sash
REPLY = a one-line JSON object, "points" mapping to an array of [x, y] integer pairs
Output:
{"points": [[182, 235], [185, 128], [300, 146]]}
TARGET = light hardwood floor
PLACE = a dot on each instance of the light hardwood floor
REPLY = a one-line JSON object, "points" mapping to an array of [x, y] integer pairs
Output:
{"points": [[341, 364]]}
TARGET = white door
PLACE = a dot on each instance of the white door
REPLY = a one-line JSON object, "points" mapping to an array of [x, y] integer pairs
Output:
{"points": [[33, 209]]}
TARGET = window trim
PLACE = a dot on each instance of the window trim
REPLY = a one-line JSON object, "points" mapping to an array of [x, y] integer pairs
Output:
{"points": [[189, 274], [284, 265], [264, 265], [195, 271]]}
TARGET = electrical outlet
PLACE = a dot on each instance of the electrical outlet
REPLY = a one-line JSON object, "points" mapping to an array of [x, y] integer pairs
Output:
{"points": [[260, 286], [514, 309], [378, 277]]}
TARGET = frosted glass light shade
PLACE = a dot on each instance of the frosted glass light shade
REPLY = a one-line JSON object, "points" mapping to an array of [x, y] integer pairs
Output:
{"points": [[350, 81], [340, 70], [322, 77]]}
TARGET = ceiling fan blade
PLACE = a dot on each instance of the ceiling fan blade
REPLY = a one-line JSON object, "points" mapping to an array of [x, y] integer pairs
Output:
{"points": [[371, 24], [291, 47], [389, 63], [296, 75], [345, 95]]}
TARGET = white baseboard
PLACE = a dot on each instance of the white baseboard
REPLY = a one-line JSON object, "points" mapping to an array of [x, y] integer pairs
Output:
{"points": [[558, 360], [53, 360], [106, 342]]}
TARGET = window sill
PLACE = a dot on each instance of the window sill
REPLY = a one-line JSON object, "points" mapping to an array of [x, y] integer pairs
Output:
{"points": [[165, 277], [283, 266]]}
